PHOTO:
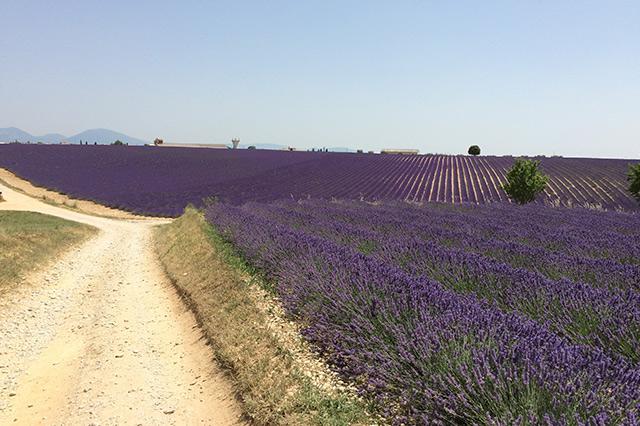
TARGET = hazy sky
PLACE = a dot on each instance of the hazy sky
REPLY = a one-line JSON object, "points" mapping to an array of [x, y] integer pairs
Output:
{"points": [[520, 77]]}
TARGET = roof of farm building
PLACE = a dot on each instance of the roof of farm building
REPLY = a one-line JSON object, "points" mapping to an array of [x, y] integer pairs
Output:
{"points": [[400, 151], [193, 145]]}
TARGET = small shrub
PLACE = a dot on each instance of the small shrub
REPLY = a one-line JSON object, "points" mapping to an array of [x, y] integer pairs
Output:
{"points": [[118, 142], [209, 201], [524, 181], [634, 180], [474, 150]]}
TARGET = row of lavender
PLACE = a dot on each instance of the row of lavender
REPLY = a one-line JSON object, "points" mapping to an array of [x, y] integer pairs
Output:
{"points": [[542, 239], [162, 181], [435, 325], [606, 317]]}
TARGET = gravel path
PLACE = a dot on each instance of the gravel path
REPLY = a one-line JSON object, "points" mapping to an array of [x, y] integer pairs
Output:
{"points": [[101, 337]]}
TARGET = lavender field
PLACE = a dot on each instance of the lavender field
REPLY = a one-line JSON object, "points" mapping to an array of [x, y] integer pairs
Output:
{"points": [[480, 314], [162, 181], [456, 307]]}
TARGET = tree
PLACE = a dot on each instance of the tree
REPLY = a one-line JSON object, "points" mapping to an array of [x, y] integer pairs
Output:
{"points": [[118, 142], [524, 181], [634, 180], [474, 150]]}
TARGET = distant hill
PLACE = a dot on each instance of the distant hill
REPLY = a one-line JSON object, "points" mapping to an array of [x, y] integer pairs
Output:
{"points": [[101, 136], [51, 138], [11, 134], [104, 136]]}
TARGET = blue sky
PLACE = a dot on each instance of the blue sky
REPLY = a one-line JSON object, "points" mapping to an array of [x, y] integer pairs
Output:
{"points": [[515, 77]]}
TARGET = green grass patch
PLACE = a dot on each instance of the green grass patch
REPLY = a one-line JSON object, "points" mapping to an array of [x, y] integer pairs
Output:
{"points": [[28, 240]]}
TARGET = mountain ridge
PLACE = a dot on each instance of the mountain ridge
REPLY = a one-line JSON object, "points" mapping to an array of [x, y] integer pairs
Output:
{"points": [[107, 136], [99, 135]]}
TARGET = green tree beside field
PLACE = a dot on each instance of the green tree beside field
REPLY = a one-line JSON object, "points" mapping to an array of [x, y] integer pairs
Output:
{"points": [[634, 180], [525, 181], [474, 150]]}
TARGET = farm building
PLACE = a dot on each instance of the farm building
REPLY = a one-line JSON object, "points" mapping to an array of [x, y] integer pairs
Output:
{"points": [[195, 145], [400, 151], [160, 142]]}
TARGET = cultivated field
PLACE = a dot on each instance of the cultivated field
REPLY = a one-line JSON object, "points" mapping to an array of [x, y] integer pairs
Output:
{"points": [[163, 181], [425, 295], [468, 315]]}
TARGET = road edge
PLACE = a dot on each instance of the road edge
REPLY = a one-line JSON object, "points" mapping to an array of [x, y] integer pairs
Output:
{"points": [[277, 377]]}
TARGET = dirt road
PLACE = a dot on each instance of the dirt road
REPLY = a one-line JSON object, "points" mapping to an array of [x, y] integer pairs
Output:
{"points": [[101, 337]]}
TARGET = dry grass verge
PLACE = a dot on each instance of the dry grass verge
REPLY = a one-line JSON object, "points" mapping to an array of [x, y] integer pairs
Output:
{"points": [[28, 240], [277, 377]]}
